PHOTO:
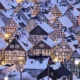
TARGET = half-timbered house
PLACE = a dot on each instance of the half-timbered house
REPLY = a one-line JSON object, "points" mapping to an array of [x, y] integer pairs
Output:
{"points": [[18, 50], [70, 64], [55, 11], [10, 28], [45, 46], [63, 48], [37, 33]]}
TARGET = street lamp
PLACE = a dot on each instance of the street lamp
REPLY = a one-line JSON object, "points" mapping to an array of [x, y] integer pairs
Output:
{"points": [[20, 73], [56, 60], [76, 62], [6, 78], [6, 36]]}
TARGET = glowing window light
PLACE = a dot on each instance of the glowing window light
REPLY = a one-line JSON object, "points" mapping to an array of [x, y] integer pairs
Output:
{"points": [[19, 1], [6, 36]]}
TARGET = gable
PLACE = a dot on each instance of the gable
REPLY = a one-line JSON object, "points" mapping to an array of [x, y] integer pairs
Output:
{"points": [[55, 10], [57, 24], [18, 8], [14, 45], [10, 27], [38, 31], [41, 45], [1, 6]]}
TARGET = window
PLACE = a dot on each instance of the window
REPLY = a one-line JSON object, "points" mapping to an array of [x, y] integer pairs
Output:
{"points": [[11, 46], [17, 46], [38, 30], [41, 45]]}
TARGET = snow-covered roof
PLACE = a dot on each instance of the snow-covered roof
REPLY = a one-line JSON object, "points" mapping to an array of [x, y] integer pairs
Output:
{"points": [[26, 14], [16, 75], [55, 2], [45, 27], [3, 44], [65, 21], [71, 1], [2, 31], [14, 3], [6, 4], [50, 42], [62, 9], [9, 4], [2, 24], [72, 42], [3, 67], [45, 6], [35, 64], [75, 12], [56, 66], [25, 43], [26, 4], [22, 31], [50, 17], [77, 5], [20, 22], [8, 13]]}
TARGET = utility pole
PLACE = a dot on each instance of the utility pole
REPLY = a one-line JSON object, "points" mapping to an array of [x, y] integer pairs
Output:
{"points": [[48, 71]]}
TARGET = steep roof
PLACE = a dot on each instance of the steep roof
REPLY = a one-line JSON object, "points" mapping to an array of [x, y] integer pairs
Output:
{"points": [[36, 64], [2, 24], [50, 17], [65, 21], [3, 44], [46, 27]]}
